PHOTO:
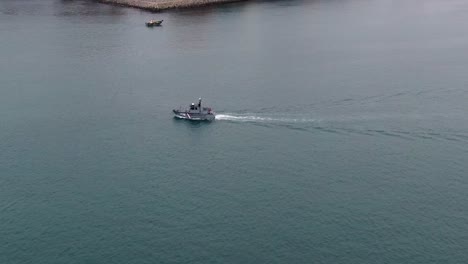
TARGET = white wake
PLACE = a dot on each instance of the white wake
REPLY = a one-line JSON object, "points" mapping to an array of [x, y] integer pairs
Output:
{"points": [[259, 118]]}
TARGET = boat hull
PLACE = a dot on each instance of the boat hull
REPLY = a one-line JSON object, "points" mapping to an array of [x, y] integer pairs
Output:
{"points": [[194, 116]]}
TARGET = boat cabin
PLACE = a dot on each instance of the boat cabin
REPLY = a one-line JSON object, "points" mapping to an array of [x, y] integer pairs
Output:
{"points": [[197, 108]]}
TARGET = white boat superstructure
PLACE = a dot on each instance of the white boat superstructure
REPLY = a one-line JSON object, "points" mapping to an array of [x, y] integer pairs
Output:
{"points": [[195, 112]]}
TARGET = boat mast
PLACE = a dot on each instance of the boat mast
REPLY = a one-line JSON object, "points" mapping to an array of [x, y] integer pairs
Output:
{"points": [[199, 105]]}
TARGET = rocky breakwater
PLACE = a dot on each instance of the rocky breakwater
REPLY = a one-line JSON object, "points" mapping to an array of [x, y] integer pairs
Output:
{"points": [[165, 4]]}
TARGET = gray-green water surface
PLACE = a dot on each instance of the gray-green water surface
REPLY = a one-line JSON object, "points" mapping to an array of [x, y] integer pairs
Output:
{"points": [[342, 134]]}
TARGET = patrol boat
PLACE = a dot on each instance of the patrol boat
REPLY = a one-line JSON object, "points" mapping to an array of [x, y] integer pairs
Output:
{"points": [[195, 112]]}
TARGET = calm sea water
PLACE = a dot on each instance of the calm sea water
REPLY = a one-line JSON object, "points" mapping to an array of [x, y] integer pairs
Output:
{"points": [[342, 134]]}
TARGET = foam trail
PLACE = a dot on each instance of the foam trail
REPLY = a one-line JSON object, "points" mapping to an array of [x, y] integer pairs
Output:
{"points": [[245, 118], [257, 118]]}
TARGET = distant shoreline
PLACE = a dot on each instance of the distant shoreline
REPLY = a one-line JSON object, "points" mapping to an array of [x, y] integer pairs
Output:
{"points": [[158, 5]]}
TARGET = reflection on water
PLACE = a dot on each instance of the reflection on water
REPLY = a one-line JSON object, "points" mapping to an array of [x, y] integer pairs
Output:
{"points": [[80, 8], [86, 8]]}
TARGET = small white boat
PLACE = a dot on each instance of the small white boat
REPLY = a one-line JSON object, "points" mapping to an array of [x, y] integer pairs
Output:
{"points": [[154, 23], [195, 112]]}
